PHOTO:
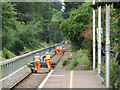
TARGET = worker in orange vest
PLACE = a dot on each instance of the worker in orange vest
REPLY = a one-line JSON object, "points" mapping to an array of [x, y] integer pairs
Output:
{"points": [[61, 50], [48, 61], [57, 50], [37, 60]]}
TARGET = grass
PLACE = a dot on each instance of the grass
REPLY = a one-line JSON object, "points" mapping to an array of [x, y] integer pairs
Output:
{"points": [[5, 54], [44, 44], [114, 73], [81, 60], [64, 62], [74, 63]]}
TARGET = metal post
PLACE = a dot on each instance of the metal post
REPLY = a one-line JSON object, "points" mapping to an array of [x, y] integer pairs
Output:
{"points": [[93, 36], [1, 71], [107, 46], [99, 41]]}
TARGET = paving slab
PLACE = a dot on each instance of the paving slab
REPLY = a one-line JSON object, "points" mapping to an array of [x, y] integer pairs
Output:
{"points": [[86, 79], [58, 79], [73, 79]]}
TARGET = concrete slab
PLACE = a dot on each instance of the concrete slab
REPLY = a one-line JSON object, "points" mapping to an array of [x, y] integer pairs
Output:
{"points": [[11, 79], [73, 79]]}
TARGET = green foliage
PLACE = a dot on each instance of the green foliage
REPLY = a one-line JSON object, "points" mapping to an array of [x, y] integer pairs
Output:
{"points": [[5, 53], [57, 15], [74, 63], [54, 33], [46, 44], [76, 23], [8, 24], [25, 25], [69, 6], [64, 62], [74, 47], [84, 59], [38, 15], [115, 26], [57, 5], [114, 79]]}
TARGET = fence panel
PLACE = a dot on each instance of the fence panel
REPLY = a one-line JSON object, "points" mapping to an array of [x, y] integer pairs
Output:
{"points": [[9, 66]]}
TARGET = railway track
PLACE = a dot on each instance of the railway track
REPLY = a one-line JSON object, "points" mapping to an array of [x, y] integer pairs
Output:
{"points": [[15, 85], [33, 80]]}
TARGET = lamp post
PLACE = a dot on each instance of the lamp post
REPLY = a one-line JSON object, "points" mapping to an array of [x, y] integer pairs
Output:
{"points": [[107, 46], [93, 36], [99, 41]]}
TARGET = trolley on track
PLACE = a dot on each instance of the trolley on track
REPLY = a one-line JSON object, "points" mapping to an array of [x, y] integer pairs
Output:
{"points": [[31, 65]]}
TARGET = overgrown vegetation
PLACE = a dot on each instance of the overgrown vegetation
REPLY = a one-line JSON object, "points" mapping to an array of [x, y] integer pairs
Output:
{"points": [[77, 27], [77, 22], [7, 54], [64, 62], [114, 81], [74, 63], [81, 60], [25, 25], [29, 26]]}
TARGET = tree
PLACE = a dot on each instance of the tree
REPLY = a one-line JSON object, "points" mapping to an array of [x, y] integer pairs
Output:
{"points": [[25, 25], [57, 5], [69, 6], [77, 22], [8, 24]]}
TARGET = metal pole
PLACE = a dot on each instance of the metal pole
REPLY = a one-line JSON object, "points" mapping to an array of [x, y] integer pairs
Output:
{"points": [[99, 41], [93, 36], [107, 46]]}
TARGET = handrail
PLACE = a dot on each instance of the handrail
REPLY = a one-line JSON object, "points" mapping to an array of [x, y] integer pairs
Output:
{"points": [[9, 66], [22, 56]]}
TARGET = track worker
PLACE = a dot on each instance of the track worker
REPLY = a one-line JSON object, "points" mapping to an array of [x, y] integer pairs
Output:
{"points": [[37, 60], [57, 50], [48, 61], [61, 50]]}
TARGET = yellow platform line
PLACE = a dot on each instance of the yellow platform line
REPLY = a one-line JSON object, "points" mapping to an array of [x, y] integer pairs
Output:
{"points": [[71, 79]]}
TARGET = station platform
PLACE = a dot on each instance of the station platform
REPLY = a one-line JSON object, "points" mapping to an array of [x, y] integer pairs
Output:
{"points": [[73, 79]]}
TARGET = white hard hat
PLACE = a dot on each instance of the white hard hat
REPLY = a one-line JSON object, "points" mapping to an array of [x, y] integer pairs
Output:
{"points": [[37, 53], [46, 53]]}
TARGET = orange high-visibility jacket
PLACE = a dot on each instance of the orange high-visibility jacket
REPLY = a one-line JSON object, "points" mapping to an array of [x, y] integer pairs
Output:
{"points": [[60, 48], [37, 58], [47, 57]]}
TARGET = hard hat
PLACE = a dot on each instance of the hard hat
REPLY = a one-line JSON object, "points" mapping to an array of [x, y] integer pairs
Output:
{"points": [[46, 53], [37, 53]]}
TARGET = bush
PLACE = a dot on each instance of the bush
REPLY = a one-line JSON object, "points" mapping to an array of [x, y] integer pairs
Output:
{"points": [[88, 68], [64, 62], [74, 63], [74, 47], [5, 53], [114, 78]]}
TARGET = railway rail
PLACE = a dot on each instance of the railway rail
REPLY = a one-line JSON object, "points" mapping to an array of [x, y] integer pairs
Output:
{"points": [[33, 80]]}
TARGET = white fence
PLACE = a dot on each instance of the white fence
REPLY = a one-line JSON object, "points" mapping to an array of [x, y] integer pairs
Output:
{"points": [[9, 66]]}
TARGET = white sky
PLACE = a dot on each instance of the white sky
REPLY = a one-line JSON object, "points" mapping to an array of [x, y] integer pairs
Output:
{"points": [[62, 0], [62, 6]]}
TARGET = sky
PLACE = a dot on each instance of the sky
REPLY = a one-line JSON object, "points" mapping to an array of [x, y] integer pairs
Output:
{"points": [[63, 5]]}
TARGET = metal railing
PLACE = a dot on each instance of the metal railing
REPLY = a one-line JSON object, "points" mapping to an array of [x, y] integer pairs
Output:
{"points": [[9, 66]]}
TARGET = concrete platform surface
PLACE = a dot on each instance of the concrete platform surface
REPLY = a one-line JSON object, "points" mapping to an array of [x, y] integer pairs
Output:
{"points": [[73, 79]]}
